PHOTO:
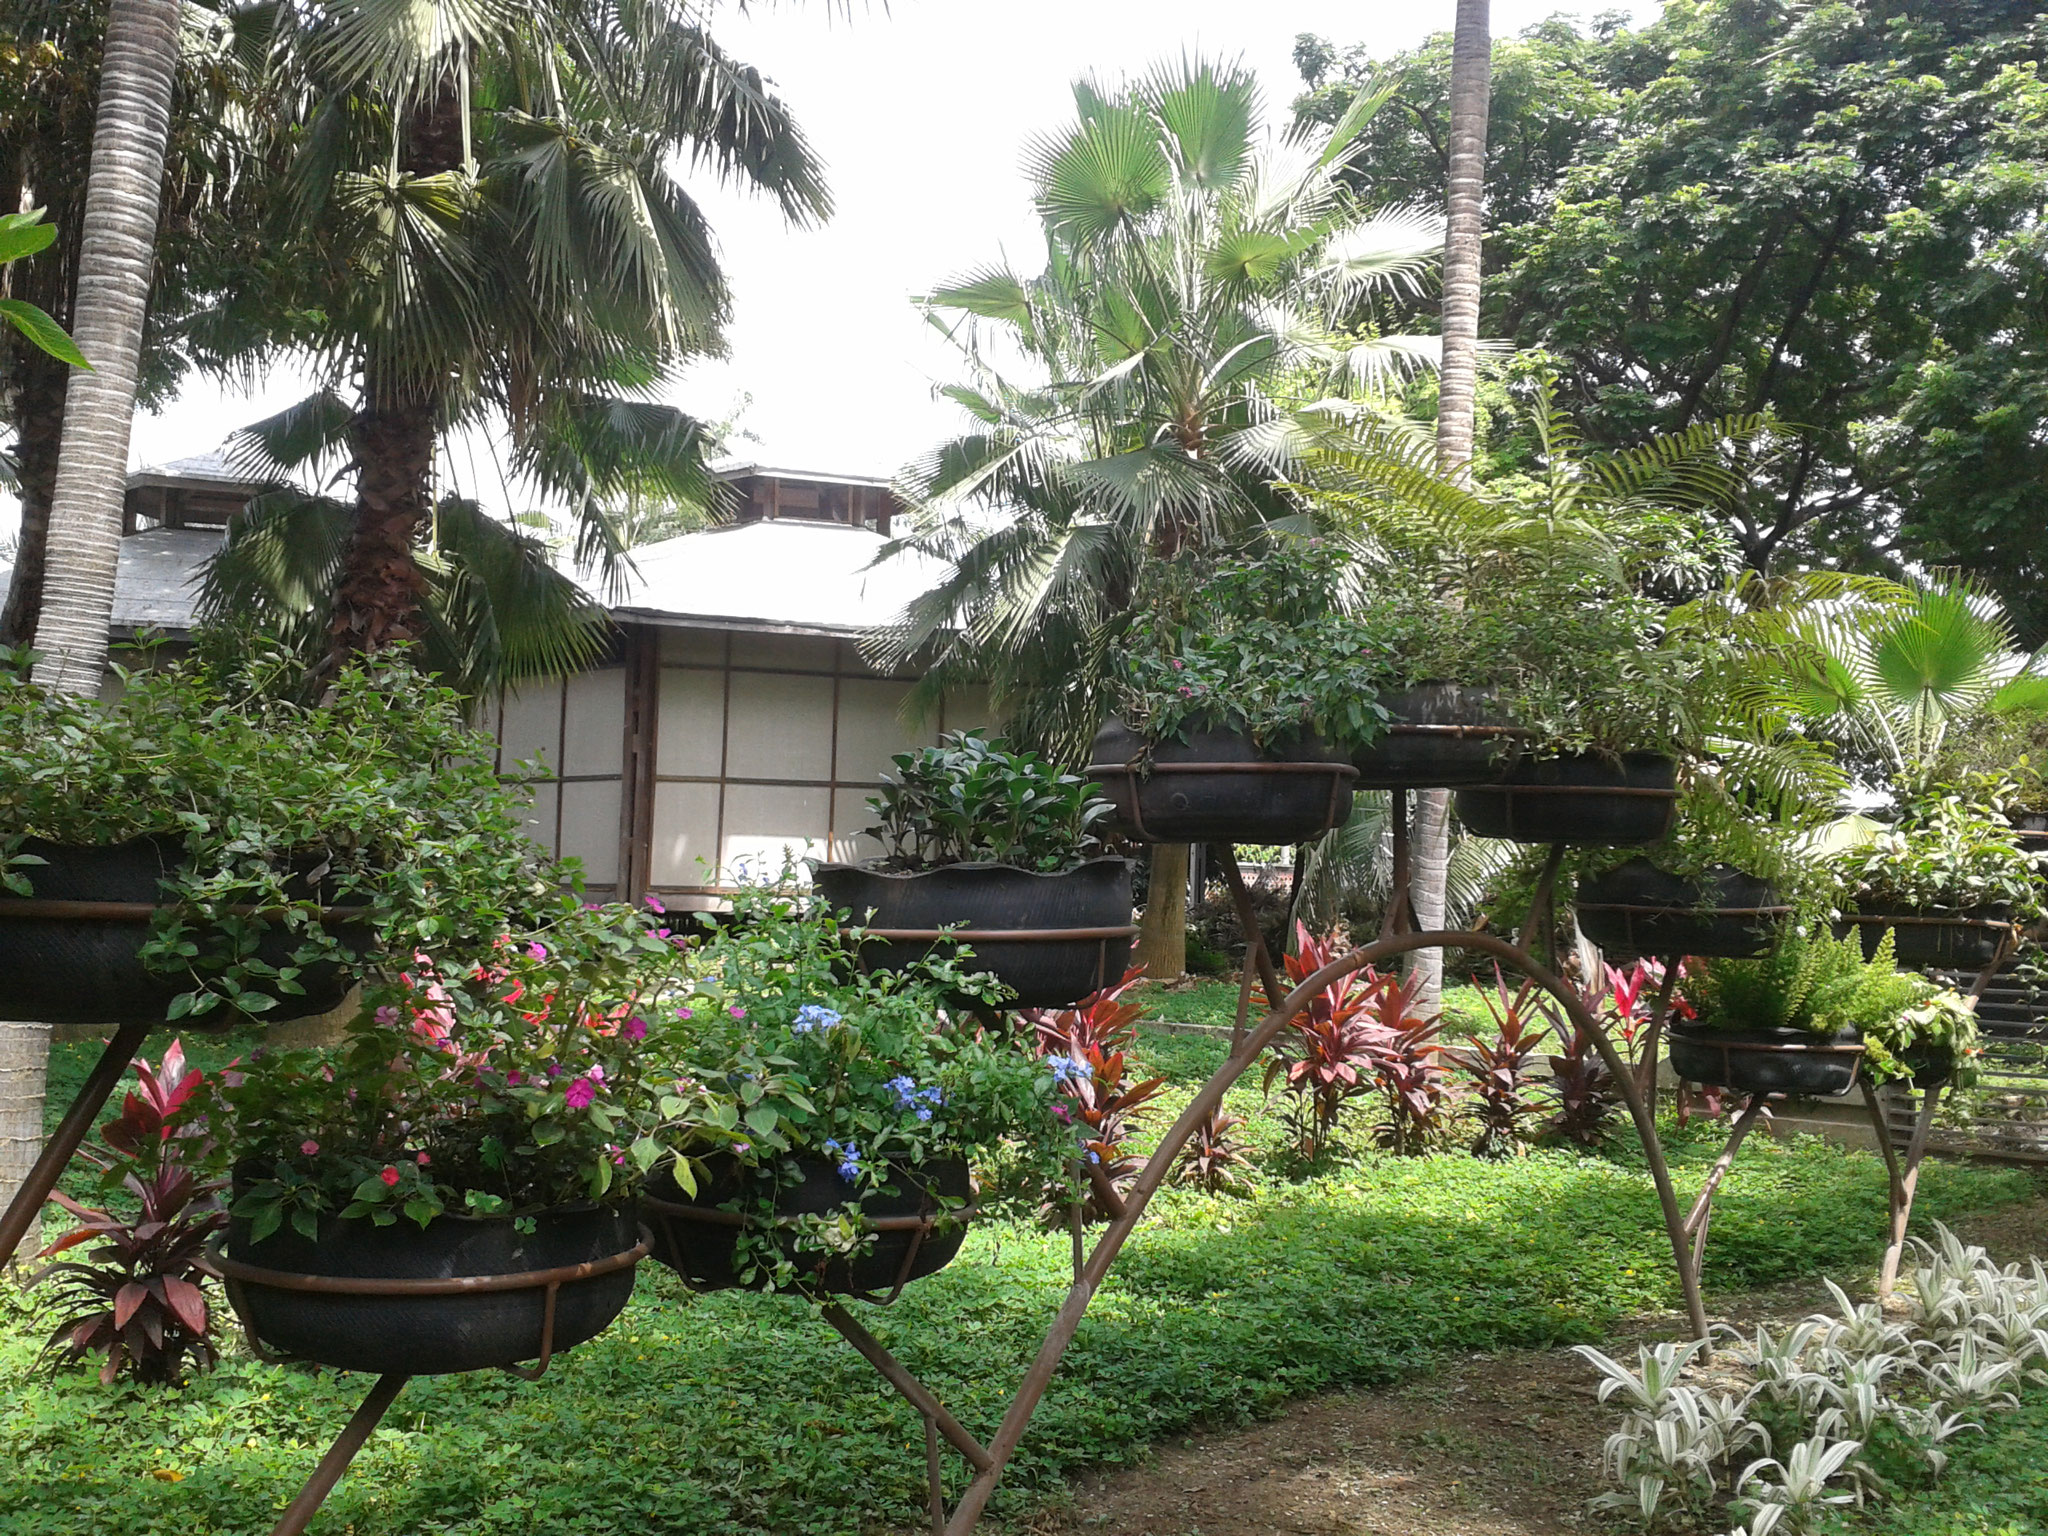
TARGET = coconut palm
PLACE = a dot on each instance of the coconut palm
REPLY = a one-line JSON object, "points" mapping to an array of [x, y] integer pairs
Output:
{"points": [[1204, 318]]}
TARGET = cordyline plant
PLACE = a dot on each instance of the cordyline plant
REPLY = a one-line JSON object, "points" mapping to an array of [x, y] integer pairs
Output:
{"points": [[1326, 1057], [1214, 1160], [1088, 1046], [1587, 1095], [1499, 1067], [1408, 1064], [138, 1297]]}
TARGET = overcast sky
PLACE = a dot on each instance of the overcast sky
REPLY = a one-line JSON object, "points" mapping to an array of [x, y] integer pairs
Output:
{"points": [[921, 112]]}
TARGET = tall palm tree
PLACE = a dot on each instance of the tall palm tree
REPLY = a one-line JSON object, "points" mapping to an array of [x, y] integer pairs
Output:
{"points": [[1204, 318], [1457, 384], [117, 253]]}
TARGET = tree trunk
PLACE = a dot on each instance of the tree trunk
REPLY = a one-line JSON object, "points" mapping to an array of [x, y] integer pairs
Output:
{"points": [[117, 251], [376, 602], [24, 1080], [1457, 383], [1163, 929], [39, 421]]}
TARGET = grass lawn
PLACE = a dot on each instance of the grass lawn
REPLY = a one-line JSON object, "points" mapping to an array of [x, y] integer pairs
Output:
{"points": [[1215, 1003], [744, 1414], [1996, 1484]]}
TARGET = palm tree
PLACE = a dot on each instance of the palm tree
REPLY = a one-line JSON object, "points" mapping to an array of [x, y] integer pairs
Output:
{"points": [[117, 250], [1457, 385], [1204, 319]]}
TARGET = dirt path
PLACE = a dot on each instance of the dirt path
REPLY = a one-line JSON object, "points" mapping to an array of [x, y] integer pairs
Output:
{"points": [[1504, 1444]]}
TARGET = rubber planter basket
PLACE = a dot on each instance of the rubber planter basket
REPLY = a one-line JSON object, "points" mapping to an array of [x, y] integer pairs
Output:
{"points": [[1789, 1061], [71, 953], [1963, 941], [1217, 787], [1587, 799], [697, 1240], [463, 1293], [1439, 736], [1639, 909], [1051, 939]]}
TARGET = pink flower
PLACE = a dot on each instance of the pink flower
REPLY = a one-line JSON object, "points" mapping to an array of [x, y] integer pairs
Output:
{"points": [[309, 1148], [514, 1079], [1187, 693], [389, 1176], [580, 1093], [596, 1073], [737, 1011], [654, 904], [387, 1015], [1176, 663], [661, 933], [636, 1028], [685, 1013], [423, 1159], [537, 950]]}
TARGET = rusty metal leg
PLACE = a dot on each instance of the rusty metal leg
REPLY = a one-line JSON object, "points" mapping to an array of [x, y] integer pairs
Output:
{"points": [[27, 1204], [967, 1512], [339, 1455], [1244, 1007], [1248, 919], [914, 1391], [935, 1477], [1902, 1197], [1540, 903], [1702, 1213]]}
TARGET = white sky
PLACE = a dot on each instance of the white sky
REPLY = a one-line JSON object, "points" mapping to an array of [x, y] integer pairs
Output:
{"points": [[922, 113]]}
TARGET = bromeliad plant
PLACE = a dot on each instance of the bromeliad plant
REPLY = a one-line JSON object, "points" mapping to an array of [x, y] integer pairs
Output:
{"points": [[139, 1298], [971, 800], [379, 797], [497, 1088], [800, 1057]]}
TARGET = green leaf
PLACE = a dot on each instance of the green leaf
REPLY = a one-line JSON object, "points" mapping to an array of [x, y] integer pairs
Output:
{"points": [[43, 332]]}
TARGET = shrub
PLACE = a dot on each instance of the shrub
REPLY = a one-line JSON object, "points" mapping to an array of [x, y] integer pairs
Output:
{"points": [[970, 800], [1943, 855], [1214, 1160]]}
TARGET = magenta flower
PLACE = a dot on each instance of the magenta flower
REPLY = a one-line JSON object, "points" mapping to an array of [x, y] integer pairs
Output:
{"points": [[654, 903], [423, 1159], [309, 1147], [686, 1013], [737, 1011], [537, 950], [636, 1028], [514, 1079], [580, 1093], [387, 1015]]}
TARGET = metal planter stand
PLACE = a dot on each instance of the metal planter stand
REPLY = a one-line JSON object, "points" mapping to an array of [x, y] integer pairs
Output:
{"points": [[234, 1274]]}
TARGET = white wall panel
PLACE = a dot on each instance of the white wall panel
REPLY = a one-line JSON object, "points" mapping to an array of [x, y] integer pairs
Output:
{"points": [[766, 823], [685, 832], [691, 739], [533, 726], [590, 829], [596, 721], [779, 727]]}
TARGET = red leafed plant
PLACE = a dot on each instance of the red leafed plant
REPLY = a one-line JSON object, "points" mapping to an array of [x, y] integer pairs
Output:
{"points": [[1094, 1038], [1587, 1095], [1214, 1160], [1500, 1067], [1408, 1064], [1326, 1057], [137, 1298]]}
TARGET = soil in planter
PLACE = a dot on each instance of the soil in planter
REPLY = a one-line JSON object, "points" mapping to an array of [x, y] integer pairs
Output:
{"points": [[1765, 1060], [1589, 800], [72, 970], [701, 1246], [1278, 796], [435, 1335], [1440, 736], [1045, 971], [1639, 909]]}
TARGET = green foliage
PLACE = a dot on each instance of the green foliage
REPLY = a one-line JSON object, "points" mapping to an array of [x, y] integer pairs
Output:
{"points": [[1258, 644], [22, 235], [533, 1079], [1219, 1310], [1943, 855], [804, 1055], [380, 797], [1823, 985], [1995, 1484], [970, 800]]}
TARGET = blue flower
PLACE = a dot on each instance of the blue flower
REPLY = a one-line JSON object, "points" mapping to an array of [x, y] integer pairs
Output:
{"points": [[1069, 1069], [910, 1096], [849, 1159], [813, 1016]]}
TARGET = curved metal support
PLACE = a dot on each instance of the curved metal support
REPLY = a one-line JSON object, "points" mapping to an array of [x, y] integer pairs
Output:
{"points": [[967, 1513]]}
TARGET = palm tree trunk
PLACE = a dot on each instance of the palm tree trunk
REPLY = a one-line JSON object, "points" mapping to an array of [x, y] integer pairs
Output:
{"points": [[24, 1080], [1163, 929], [117, 252], [1457, 383], [376, 603]]}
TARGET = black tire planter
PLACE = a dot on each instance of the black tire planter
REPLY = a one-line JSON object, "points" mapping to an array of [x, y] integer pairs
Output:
{"points": [[356, 1314], [1789, 1061], [1050, 938], [1217, 787], [1639, 909], [1588, 799], [1440, 736], [696, 1239], [71, 953], [1962, 941], [1929, 1066]]}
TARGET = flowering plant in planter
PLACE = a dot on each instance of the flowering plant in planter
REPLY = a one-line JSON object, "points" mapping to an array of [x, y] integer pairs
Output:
{"points": [[806, 1061], [263, 809], [500, 1087]]}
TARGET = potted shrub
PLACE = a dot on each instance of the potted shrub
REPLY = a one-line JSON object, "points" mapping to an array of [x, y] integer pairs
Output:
{"points": [[208, 846], [846, 1110], [1804, 1018], [1949, 878], [1001, 846], [1242, 690], [454, 1189]]}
